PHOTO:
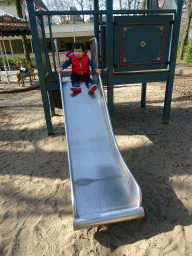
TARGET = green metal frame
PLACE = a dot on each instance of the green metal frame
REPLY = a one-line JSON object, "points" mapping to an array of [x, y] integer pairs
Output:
{"points": [[104, 33]]}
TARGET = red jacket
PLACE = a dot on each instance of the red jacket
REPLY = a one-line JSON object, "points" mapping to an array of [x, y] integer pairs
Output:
{"points": [[79, 66]]}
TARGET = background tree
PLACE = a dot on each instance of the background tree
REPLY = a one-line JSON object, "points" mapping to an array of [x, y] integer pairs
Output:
{"points": [[58, 5], [187, 28], [128, 4], [82, 4], [90, 7], [24, 39], [120, 4], [143, 4]]}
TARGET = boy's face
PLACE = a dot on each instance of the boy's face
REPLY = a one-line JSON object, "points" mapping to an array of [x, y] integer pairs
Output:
{"points": [[78, 53]]}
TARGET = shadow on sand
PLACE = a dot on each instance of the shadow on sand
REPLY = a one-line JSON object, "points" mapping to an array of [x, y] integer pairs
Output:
{"points": [[152, 165]]}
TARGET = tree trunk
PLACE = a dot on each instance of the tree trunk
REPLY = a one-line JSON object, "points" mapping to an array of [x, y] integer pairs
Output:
{"points": [[186, 33], [120, 4], [143, 4], [24, 39]]}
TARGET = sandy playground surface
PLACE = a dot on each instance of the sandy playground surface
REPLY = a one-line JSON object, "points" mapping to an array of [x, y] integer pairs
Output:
{"points": [[35, 198]]}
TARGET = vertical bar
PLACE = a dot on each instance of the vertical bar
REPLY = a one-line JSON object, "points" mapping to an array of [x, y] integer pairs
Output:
{"points": [[173, 56], [1, 76], [7, 60], [52, 103], [51, 100], [96, 24], [109, 45], [52, 46], [11, 46], [101, 43], [4, 64], [31, 45], [148, 4], [45, 44], [37, 48], [143, 94]]}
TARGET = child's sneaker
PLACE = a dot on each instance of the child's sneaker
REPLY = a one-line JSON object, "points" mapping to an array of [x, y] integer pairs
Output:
{"points": [[75, 94], [76, 89], [93, 88]]}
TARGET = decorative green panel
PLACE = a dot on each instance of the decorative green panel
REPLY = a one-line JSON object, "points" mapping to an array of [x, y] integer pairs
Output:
{"points": [[142, 42]]}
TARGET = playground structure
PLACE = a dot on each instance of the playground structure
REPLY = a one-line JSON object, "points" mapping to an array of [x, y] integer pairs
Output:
{"points": [[143, 43], [138, 47]]}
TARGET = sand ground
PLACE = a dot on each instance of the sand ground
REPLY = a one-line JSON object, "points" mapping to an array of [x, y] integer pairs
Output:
{"points": [[35, 198]]}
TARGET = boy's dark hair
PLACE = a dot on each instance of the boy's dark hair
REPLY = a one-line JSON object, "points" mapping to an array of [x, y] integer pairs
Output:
{"points": [[78, 45]]}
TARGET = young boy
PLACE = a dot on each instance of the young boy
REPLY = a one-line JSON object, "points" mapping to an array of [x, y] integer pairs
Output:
{"points": [[80, 67]]}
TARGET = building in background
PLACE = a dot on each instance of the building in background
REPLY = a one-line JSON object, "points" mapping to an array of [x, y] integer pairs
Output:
{"points": [[65, 34], [14, 44]]}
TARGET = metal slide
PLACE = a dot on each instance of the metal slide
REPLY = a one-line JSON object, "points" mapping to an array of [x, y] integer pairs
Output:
{"points": [[103, 189]]}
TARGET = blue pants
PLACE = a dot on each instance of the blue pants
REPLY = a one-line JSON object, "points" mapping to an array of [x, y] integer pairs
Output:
{"points": [[76, 78]]}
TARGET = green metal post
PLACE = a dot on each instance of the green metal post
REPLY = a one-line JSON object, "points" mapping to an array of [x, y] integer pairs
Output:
{"points": [[96, 25], [52, 46], [143, 94], [37, 49], [109, 45], [45, 45], [173, 56], [51, 100], [102, 45], [52, 103]]}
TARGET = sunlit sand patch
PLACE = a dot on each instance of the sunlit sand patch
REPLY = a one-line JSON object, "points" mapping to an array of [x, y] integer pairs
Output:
{"points": [[182, 188], [49, 144], [18, 146], [22, 188], [134, 141]]}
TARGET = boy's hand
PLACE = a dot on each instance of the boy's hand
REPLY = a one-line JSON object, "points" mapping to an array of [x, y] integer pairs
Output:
{"points": [[59, 69], [98, 71]]}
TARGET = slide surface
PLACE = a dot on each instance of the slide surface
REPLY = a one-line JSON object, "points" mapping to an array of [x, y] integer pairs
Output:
{"points": [[103, 189]]}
